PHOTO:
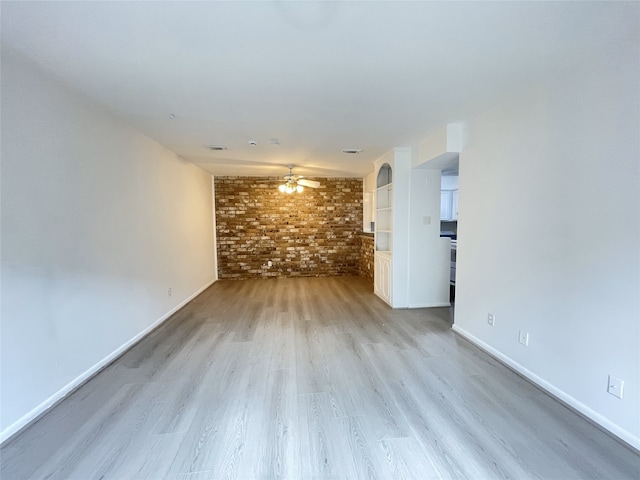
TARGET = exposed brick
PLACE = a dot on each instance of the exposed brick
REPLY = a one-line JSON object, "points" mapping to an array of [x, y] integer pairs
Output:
{"points": [[313, 233], [365, 267]]}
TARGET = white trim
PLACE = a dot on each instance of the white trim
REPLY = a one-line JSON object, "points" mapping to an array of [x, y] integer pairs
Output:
{"points": [[76, 383], [215, 242], [429, 305], [624, 435], [383, 299]]}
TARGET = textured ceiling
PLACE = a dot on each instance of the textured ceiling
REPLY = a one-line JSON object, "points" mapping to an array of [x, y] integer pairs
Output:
{"points": [[318, 76]]}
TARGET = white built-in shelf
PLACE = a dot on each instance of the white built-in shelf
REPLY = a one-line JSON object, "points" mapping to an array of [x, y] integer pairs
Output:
{"points": [[384, 209], [384, 235]]}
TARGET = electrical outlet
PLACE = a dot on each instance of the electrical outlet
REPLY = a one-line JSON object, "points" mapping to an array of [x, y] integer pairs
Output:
{"points": [[523, 338], [169, 292], [615, 387], [491, 319]]}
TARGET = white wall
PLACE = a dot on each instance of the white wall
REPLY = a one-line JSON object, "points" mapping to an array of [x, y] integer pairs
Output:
{"points": [[368, 201], [400, 267], [440, 148], [420, 258], [449, 182], [429, 266], [98, 221], [369, 182], [560, 163]]}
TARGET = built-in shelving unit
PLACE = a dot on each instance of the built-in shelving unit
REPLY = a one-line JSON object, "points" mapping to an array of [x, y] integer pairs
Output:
{"points": [[384, 209], [383, 234], [411, 260]]}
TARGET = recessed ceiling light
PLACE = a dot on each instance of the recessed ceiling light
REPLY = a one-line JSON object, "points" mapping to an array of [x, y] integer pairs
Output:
{"points": [[351, 150], [215, 148]]}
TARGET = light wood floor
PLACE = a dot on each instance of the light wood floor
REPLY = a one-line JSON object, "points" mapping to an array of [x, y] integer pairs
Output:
{"points": [[310, 378]]}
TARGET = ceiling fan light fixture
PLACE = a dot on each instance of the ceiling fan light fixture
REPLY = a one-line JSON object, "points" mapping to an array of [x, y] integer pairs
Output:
{"points": [[295, 183], [290, 186]]}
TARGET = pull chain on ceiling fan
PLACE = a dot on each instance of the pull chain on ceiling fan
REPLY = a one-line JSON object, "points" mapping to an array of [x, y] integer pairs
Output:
{"points": [[296, 183]]}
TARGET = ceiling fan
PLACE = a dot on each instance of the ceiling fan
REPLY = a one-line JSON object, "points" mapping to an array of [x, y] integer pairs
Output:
{"points": [[296, 183]]}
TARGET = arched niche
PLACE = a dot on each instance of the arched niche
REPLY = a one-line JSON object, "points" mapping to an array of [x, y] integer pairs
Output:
{"points": [[384, 176]]}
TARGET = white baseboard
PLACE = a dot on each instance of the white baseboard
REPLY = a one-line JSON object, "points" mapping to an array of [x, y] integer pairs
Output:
{"points": [[624, 435], [54, 399], [430, 305], [415, 305]]}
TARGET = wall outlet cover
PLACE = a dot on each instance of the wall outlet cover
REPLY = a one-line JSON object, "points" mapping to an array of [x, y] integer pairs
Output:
{"points": [[615, 387], [523, 338]]}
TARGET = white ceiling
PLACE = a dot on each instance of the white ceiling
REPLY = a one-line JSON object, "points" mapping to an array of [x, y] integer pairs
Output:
{"points": [[318, 76]]}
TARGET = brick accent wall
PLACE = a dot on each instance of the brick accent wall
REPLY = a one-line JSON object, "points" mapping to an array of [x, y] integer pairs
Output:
{"points": [[365, 268], [313, 233]]}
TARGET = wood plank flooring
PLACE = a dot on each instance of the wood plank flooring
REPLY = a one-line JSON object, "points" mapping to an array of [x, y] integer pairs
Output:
{"points": [[310, 378]]}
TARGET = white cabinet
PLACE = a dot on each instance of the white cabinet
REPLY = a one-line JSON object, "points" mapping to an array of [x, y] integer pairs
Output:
{"points": [[445, 204], [449, 205], [384, 233], [454, 205], [449, 198], [382, 276]]}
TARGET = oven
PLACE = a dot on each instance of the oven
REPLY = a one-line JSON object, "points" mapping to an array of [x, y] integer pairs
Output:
{"points": [[454, 248]]}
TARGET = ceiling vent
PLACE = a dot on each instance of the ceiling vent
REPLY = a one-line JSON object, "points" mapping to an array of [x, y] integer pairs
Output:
{"points": [[215, 148], [351, 151]]}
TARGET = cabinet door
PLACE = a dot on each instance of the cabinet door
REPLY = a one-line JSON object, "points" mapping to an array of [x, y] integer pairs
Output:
{"points": [[386, 280], [382, 278], [377, 276], [454, 205], [445, 204]]}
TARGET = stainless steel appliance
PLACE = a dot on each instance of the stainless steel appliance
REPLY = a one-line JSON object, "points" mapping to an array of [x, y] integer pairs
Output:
{"points": [[454, 248]]}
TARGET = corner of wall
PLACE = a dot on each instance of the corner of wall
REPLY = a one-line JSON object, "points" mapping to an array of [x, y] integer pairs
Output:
{"points": [[571, 402]]}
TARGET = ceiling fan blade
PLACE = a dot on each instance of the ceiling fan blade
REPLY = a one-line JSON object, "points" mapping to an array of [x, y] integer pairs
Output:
{"points": [[308, 183]]}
